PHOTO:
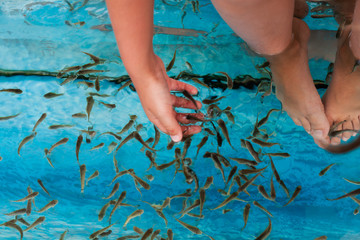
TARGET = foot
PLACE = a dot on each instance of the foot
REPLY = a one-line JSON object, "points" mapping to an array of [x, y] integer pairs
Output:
{"points": [[342, 98], [295, 88], [301, 9]]}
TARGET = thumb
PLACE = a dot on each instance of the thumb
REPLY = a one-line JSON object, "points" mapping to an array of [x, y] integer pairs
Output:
{"points": [[171, 126]]}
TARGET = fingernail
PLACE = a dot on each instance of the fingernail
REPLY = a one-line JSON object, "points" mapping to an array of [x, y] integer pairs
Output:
{"points": [[317, 134], [176, 138]]}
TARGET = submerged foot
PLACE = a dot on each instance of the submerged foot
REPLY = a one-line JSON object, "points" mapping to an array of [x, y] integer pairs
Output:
{"points": [[342, 98], [295, 88]]}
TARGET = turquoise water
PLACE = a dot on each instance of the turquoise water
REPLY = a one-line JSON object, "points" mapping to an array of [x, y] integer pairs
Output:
{"points": [[41, 40]]}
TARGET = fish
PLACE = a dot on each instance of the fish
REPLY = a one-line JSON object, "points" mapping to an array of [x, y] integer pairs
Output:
{"points": [[229, 80], [201, 144], [225, 131], [190, 208], [108, 105], [92, 176], [141, 182], [196, 80], [211, 101], [113, 191], [34, 224], [276, 174], [252, 151], [79, 115], [136, 213], [122, 173], [60, 142], [28, 197], [202, 199], [231, 174], [128, 237], [161, 214], [353, 182], [111, 147], [246, 214], [224, 211], [230, 116], [170, 234], [71, 78], [82, 176], [147, 234], [58, 126], [97, 233], [344, 148], [16, 212], [127, 126], [15, 226], [246, 184], [266, 118], [296, 192], [188, 96], [263, 144], [89, 106], [103, 211], [112, 134], [62, 237], [272, 190], [171, 63], [71, 69], [321, 238], [78, 145], [52, 95], [89, 71], [97, 146], [138, 230], [26, 140], [28, 205], [352, 193], [155, 233], [149, 177], [280, 154], [262, 208], [227, 200], [21, 220], [322, 172], [282, 184], [12, 90], [263, 192], [92, 94], [356, 211], [97, 84], [51, 204], [119, 200], [244, 161], [93, 57], [88, 84], [189, 227], [322, 15], [165, 165], [42, 117], [218, 165], [209, 181], [266, 232], [138, 138], [42, 186], [251, 171]]}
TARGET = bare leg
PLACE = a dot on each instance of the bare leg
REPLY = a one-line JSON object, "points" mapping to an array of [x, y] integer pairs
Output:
{"points": [[269, 28]]}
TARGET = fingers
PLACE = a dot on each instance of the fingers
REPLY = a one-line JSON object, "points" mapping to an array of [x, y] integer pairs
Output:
{"points": [[168, 125], [190, 130], [184, 103], [175, 85]]}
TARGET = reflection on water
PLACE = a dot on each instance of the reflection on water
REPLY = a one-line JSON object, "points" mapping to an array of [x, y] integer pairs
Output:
{"points": [[151, 186]]}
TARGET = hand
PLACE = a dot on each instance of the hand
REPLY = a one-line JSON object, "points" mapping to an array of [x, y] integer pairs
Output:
{"points": [[154, 93]]}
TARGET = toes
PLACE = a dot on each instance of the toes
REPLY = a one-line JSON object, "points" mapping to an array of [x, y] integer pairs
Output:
{"points": [[346, 135], [305, 124], [336, 140], [319, 125], [356, 125]]}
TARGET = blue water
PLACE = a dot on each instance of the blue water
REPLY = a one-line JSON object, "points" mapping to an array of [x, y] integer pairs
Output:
{"points": [[48, 44]]}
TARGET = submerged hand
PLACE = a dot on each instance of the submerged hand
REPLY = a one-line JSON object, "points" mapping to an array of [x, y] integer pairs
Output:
{"points": [[154, 93]]}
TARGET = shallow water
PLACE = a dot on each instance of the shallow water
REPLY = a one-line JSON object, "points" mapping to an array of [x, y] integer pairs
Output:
{"points": [[309, 216]]}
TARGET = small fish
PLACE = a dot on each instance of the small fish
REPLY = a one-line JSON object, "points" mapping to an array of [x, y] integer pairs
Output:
{"points": [[21, 220], [285, 155], [266, 232], [201, 144], [16, 212], [188, 96], [113, 191], [12, 90], [296, 192], [149, 177], [108, 105], [89, 71], [42, 186], [103, 211], [211, 101], [157, 136], [263, 144], [26, 140], [229, 80], [161, 214], [196, 80], [138, 138], [252, 151], [138, 230], [344, 148], [15, 226], [244, 161], [111, 147], [147, 234], [69, 79], [322, 15], [230, 116], [34, 224], [189, 227], [231, 174], [224, 131], [136, 213], [227, 200], [272, 190], [321, 238], [248, 183], [265, 119], [276, 174], [93, 57], [82, 176], [170, 234], [263, 192], [88, 84], [62, 141], [352, 193], [79, 115], [92, 94], [92, 176], [282, 184], [353, 182], [62, 237], [78, 145], [262, 208], [97, 84], [171, 63], [97, 233], [119, 200], [52, 95], [112, 134], [89, 106], [141, 182], [58, 126], [47, 206], [202, 199], [322, 172], [155, 233], [43, 116], [246, 214], [165, 165], [127, 126], [208, 183], [97, 146], [189, 66]]}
